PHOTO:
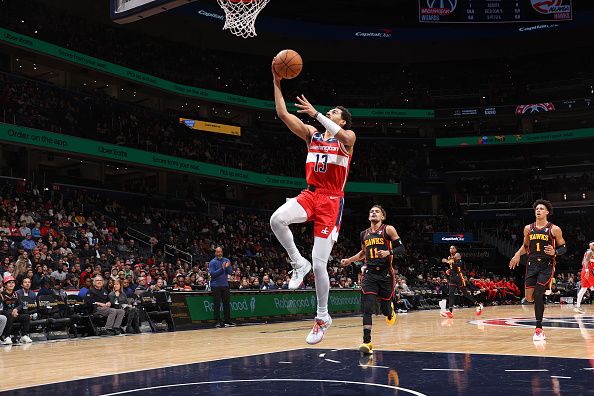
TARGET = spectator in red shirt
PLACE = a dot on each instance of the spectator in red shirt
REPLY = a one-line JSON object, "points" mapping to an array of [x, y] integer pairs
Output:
{"points": [[14, 229]]}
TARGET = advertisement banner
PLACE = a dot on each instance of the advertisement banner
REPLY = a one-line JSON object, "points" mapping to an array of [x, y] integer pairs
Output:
{"points": [[252, 305], [75, 145], [452, 238], [479, 255], [519, 110], [30, 43], [515, 139], [211, 127]]}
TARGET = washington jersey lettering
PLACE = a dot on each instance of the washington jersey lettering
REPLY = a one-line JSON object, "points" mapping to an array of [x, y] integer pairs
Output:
{"points": [[327, 164], [539, 238], [374, 241]]}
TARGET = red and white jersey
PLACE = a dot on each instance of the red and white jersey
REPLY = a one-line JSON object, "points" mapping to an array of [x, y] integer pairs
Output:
{"points": [[327, 164]]}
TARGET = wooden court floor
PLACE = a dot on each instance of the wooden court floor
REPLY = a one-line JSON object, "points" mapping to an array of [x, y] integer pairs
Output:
{"points": [[425, 331]]}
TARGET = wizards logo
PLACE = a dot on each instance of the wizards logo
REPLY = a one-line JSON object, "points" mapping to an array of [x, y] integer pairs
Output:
{"points": [[550, 6], [535, 108]]}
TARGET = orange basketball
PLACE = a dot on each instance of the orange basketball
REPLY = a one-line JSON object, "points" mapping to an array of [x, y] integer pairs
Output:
{"points": [[288, 64]]}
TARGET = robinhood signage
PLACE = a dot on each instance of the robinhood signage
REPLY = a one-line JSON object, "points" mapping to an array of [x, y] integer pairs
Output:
{"points": [[269, 304], [33, 44], [75, 145]]}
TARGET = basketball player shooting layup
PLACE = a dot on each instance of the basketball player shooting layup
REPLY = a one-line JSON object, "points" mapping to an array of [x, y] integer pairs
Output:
{"points": [[327, 169], [543, 241]]}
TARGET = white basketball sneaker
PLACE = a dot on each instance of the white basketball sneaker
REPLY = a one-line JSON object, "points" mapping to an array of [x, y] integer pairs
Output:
{"points": [[319, 329], [579, 310], [539, 335], [26, 339], [300, 269]]}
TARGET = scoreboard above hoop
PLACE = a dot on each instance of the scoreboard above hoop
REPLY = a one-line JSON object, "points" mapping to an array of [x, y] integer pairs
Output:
{"points": [[494, 11], [126, 11]]}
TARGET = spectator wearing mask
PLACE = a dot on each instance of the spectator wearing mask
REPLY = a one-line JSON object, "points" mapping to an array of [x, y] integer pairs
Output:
{"points": [[99, 297], [219, 267], [12, 308]]}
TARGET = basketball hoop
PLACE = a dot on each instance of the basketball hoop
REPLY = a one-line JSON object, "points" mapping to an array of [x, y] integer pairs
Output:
{"points": [[240, 16]]}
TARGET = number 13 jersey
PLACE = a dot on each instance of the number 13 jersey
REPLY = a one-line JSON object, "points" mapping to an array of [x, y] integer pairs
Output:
{"points": [[327, 165]]}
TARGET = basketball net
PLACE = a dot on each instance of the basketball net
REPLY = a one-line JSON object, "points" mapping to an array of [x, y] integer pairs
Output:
{"points": [[240, 16]]}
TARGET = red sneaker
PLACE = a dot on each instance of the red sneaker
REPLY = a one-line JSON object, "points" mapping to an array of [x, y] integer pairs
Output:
{"points": [[479, 309]]}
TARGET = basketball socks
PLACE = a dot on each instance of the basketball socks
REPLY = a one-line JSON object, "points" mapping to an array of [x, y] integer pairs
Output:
{"points": [[366, 336], [539, 308], [321, 251], [580, 296]]}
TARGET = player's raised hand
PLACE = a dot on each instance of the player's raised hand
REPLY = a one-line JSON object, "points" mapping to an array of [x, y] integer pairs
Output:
{"points": [[513, 263], [305, 106], [344, 262], [276, 77]]}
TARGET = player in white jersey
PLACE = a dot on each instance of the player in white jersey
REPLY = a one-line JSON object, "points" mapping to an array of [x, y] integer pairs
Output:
{"points": [[327, 167]]}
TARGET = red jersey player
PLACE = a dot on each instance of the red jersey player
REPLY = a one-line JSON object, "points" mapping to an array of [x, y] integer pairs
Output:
{"points": [[587, 277], [326, 168]]}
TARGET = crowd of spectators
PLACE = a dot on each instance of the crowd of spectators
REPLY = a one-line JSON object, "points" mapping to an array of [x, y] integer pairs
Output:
{"points": [[522, 183], [60, 243], [95, 116]]}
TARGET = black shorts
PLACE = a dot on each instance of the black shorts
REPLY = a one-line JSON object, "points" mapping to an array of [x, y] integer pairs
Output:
{"points": [[379, 283], [457, 280], [539, 271]]}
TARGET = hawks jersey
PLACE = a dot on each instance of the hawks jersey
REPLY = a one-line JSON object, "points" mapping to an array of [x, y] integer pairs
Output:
{"points": [[455, 264], [327, 164], [375, 241], [539, 238]]}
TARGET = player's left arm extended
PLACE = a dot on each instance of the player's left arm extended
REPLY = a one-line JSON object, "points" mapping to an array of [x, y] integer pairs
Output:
{"points": [[398, 248], [346, 137]]}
